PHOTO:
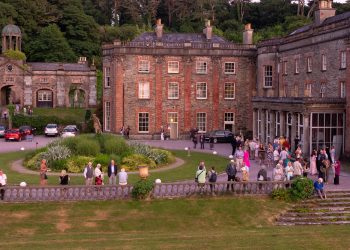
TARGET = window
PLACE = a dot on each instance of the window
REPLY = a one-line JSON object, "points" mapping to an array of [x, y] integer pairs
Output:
{"points": [[201, 90], [144, 90], [308, 88], [342, 90], [268, 126], [143, 122], [202, 122], [172, 117], [107, 77], [173, 67], [285, 67], [309, 64], [300, 126], [144, 66], [173, 90], [343, 60], [201, 67], [229, 121], [107, 116], [323, 89], [289, 122], [296, 66], [44, 95], [324, 63], [267, 76], [229, 91], [230, 68], [277, 124]]}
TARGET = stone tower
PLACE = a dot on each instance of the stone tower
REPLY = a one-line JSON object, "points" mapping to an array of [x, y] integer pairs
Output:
{"points": [[11, 37]]}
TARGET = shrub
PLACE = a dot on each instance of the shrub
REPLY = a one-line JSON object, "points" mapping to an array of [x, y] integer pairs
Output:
{"points": [[115, 145], [131, 163], [116, 158], [71, 143], [59, 165], [15, 54], [34, 162], [142, 189], [87, 147], [302, 188], [56, 152], [281, 194], [103, 159], [159, 156], [77, 164]]}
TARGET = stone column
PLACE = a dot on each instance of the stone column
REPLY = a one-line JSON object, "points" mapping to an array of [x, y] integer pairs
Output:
{"points": [[255, 132], [273, 124], [283, 123], [294, 130], [263, 125], [306, 147]]}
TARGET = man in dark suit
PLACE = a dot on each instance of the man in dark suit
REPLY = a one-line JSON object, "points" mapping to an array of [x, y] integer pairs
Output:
{"points": [[112, 173]]}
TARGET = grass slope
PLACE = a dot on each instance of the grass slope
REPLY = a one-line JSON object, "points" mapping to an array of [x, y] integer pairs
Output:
{"points": [[221, 223]]}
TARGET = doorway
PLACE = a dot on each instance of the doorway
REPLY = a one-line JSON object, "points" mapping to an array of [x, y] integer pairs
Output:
{"points": [[173, 125], [6, 96]]}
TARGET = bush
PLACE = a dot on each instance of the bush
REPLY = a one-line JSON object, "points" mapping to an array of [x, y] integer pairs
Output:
{"points": [[131, 163], [35, 161], [71, 143], [77, 164], [103, 159], [59, 165], [281, 194], [115, 145], [56, 152], [88, 147], [142, 189], [302, 188], [159, 156], [117, 158]]}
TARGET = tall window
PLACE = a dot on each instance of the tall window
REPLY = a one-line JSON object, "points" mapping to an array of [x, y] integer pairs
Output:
{"points": [[144, 92], [173, 67], [285, 63], [309, 64], [173, 90], [324, 62], [267, 76], [202, 122], [229, 92], [107, 77], [300, 126], [268, 126], [297, 66], [289, 122], [144, 66], [201, 90], [143, 122], [277, 124], [343, 60], [230, 68], [201, 67], [308, 90], [342, 90], [107, 116]]}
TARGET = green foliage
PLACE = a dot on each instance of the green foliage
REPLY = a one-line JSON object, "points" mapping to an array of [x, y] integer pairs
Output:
{"points": [[132, 162], [302, 188], [280, 194], [58, 165], [56, 153], [87, 115], [76, 164], [159, 156], [71, 143], [142, 189], [116, 145], [34, 162], [103, 159], [87, 147], [15, 55]]}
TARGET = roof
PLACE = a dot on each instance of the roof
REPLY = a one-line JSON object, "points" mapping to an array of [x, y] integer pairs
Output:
{"points": [[39, 66], [178, 38], [11, 29]]}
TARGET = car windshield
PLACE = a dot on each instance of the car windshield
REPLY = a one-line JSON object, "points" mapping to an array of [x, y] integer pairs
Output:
{"points": [[12, 131], [51, 126], [69, 130]]}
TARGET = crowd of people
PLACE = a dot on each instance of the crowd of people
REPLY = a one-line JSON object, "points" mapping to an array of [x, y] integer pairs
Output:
{"points": [[285, 164]]}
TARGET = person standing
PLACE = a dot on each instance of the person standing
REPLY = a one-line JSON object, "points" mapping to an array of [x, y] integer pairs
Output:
{"points": [[252, 145], [332, 153], [3, 182], [239, 158], [313, 167], [88, 174], [201, 140], [289, 171], [195, 141], [231, 174], [200, 177], [246, 161], [336, 172], [233, 144], [211, 142], [98, 175], [123, 177], [298, 168], [162, 133], [127, 132], [269, 153], [212, 177], [43, 173], [64, 178], [112, 173]]}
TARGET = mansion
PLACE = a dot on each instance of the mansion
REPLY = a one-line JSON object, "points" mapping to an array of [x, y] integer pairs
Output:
{"points": [[39, 84], [295, 86]]}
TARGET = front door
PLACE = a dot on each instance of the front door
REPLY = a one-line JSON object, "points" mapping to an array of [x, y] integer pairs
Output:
{"points": [[173, 125], [173, 130]]}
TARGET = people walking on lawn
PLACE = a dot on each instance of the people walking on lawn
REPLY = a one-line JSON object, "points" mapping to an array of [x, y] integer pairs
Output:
{"points": [[239, 158], [319, 188], [3, 182], [88, 174], [200, 177], [212, 177], [64, 178], [112, 173], [123, 177], [43, 173], [231, 172], [98, 175]]}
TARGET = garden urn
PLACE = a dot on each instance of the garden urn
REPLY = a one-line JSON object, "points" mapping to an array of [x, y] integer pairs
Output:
{"points": [[143, 172]]}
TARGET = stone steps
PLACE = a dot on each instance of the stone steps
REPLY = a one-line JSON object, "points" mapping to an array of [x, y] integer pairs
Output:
{"points": [[334, 210]]}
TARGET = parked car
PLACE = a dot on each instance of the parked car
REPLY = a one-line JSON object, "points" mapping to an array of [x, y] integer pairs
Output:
{"points": [[14, 134], [69, 131], [2, 130], [219, 136], [51, 130], [28, 130]]}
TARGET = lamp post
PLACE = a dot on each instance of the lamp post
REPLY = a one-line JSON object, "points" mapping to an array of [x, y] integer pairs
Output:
{"points": [[188, 151]]}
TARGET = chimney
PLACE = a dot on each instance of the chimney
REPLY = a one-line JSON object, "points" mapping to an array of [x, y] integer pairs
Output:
{"points": [[208, 30], [82, 60], [248, 34], [159, 28], [324, 10]]}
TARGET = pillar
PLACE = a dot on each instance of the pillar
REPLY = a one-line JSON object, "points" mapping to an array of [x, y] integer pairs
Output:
{"points": [[187, 95], [263, 125], [273, 124], [283, 123], [255, 132], [294, 130], [306, 146]]}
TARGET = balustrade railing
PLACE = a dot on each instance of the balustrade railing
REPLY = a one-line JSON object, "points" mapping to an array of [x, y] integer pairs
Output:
{"points": [[164, 190]]}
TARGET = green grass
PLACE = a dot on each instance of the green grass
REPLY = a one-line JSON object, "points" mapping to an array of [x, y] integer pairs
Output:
{"points": [[222, 223], [184, 172], [74, 114]]}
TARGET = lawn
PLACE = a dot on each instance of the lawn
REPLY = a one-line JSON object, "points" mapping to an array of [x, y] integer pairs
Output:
{"points": [[217, 223], [73, 114], [184, 172]]}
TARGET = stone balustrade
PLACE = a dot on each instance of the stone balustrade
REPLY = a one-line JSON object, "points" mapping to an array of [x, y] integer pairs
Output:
{"points": [[107, 192]]}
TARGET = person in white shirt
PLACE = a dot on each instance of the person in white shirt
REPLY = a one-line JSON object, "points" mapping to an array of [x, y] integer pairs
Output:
{"points": [[276, 156], [3, 181], [123, 177], [98, 175], [298, 169]]}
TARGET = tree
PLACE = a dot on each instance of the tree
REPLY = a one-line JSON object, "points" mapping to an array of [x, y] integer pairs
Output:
{"points": [[51, 46], [240, 7], [7, 14]]}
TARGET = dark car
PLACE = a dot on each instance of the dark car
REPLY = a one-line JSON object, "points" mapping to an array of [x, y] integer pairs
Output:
{"points": [[14, 135], [2, 130], [219, 136], [28, 130]]}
